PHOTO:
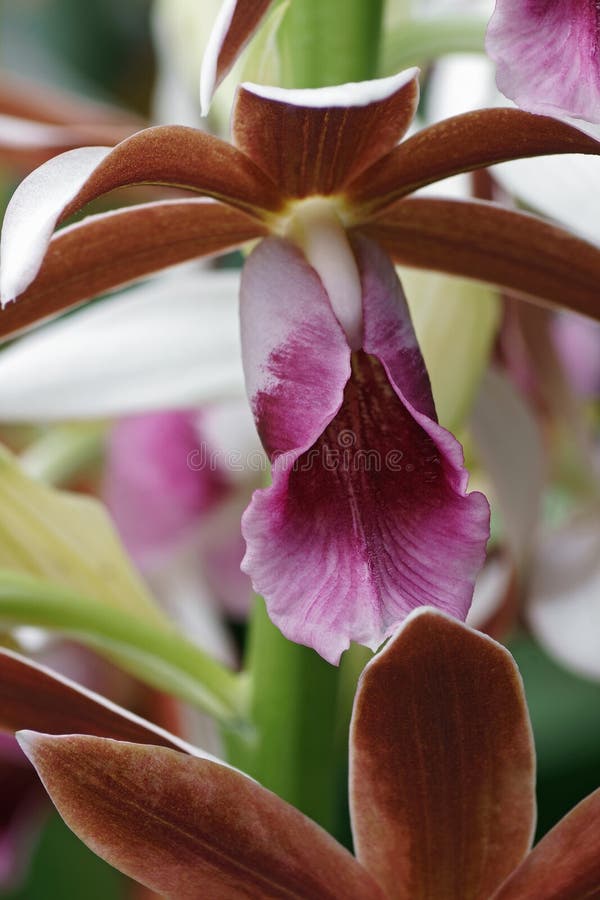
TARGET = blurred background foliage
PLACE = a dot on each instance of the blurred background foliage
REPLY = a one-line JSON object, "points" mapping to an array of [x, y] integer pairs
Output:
{"points": [[103, 49]]}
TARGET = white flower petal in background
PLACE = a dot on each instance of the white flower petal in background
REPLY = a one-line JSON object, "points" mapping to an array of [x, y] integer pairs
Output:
{"points": [[565, 187], [459, 83], [510, 447], [229, 431], [172, 342], [492, 591], [175, 95], [564, 595], [182, 590]]}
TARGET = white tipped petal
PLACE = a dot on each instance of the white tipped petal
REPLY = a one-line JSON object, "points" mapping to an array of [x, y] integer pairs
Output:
{"points": [[33, 212], [208, 74], [359, 93]]}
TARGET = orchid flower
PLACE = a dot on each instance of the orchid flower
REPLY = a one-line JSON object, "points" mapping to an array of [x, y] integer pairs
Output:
{"points": [[453, 822], [546, 56], [180, 479], [318, 176]]}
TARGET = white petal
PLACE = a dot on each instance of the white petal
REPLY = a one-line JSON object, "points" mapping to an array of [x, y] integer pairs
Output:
{"points": [[33, 212], [565, 188], [16, 132], [183, 592], [458, 84], [491, 588], [169, 343], [564, 602], [509, 442]]}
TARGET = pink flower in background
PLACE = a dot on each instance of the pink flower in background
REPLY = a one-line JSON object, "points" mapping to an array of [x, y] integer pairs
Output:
{"points": [[578, 343], [153, 493], [176, 492], [548, 55]]}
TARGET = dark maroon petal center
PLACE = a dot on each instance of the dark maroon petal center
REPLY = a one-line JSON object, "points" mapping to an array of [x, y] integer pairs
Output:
{"points": [[372, 449]]}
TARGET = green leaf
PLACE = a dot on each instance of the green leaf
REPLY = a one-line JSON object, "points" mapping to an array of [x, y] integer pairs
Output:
{"points": [[292, 708], [62, 567], [148, 650]]}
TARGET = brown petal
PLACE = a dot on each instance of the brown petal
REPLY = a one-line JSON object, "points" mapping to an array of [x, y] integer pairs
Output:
{"points": [[37, 123], [32, 696], [442, 763], [109, 250], [25, 144], [32, 100], [462, 143], [488, 243], [315, 141], [173, 155], [235, 25], [189, 827], [565, 865], [181, 157]]}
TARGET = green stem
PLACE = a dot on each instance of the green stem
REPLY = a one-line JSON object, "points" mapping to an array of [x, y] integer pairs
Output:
{"points": [[160, 657], [351, 666], [292, 705], [417, 42], [325, 42]]}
